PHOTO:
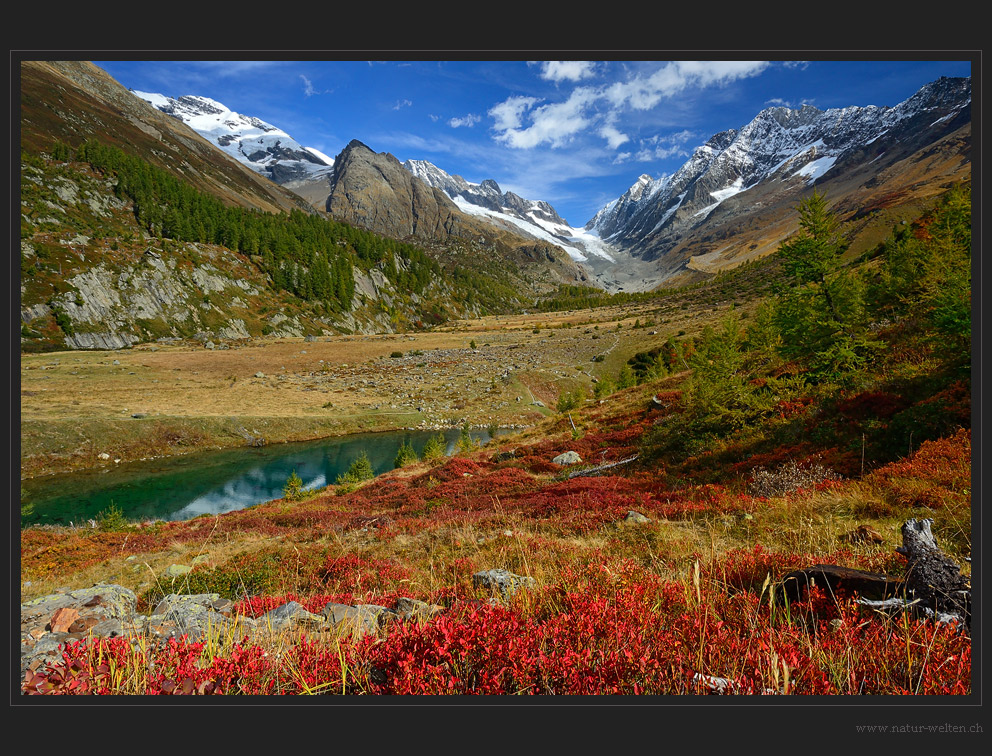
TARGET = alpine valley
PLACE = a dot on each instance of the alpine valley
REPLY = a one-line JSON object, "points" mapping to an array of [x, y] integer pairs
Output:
{"points": [[715, 441], [99, 272]]}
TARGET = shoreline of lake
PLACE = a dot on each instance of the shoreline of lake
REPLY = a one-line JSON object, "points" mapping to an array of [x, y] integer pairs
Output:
{"points": [[71, 463], [215, 481]]}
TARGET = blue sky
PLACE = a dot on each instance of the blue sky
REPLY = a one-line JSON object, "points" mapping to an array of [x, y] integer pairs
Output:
{"points": [[574, 133]]}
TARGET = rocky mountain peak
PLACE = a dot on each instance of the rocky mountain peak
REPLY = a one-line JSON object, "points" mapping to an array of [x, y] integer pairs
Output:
{"points": [[251, 141], [766, 164]]}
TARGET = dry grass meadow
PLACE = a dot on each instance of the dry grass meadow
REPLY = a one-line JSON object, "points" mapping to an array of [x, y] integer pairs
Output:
{"points": [[78, 405]]}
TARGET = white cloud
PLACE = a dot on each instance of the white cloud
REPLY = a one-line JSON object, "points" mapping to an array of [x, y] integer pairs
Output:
{"points": [[508, 113], [567, 70], [402, 104], [613, 136], [522, 123], [236, 67], [308, 89], [664, 146], [643, 92], [554, 124], [469, 121], [779, 102]]}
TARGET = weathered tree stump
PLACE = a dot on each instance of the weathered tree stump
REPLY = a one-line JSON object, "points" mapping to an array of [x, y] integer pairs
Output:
{"points": [[933, 586], [932, 577]]}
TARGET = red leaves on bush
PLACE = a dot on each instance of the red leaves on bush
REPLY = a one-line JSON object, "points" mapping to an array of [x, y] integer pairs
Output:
{"points": [[938, 472], [790, 408], [871, 404], [607, 628]]}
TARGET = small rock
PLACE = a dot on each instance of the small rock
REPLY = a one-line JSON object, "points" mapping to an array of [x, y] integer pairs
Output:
{"points": [[290, 612], [503, 581], [259, 374], [63, 619], [108, 628], [412, 609], [863, 534], [348, 619], [103, 455], [48, 645], [175, 570], [567, 458], [175, 603], [635, 518]]}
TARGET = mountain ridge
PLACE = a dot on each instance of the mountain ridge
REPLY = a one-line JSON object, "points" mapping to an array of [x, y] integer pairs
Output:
{"points": [[264, 148], [770, 162], [661, 230]]}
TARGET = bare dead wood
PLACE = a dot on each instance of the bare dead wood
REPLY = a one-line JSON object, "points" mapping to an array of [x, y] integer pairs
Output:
{"points": [[601, 468], [934, 585], [841, 581], [932, 577], [251, 438]]}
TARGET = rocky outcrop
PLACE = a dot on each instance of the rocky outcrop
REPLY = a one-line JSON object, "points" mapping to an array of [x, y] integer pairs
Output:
{"points": [[112, 307], [109, 611], [374, 191]]}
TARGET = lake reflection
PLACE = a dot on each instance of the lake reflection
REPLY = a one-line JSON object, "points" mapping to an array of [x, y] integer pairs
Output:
{"points": [[212, 483]]}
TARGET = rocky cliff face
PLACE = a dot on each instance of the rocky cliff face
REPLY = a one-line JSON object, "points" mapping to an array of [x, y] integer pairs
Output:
{"points": [[91, 278]]}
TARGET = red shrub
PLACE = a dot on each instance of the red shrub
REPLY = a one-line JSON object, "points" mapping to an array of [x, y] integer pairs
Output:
{"points": [[868, 404]]}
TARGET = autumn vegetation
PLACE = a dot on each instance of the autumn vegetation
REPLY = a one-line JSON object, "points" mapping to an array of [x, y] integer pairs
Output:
{"points": [[762, 445]]}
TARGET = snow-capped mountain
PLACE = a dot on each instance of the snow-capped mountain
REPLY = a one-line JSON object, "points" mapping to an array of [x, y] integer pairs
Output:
{"points": [[734, 199], [261, 146], [534, 218], [769, 162]]}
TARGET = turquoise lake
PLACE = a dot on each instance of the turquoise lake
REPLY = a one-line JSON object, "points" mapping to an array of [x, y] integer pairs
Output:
{"points": [[180, 488]]}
